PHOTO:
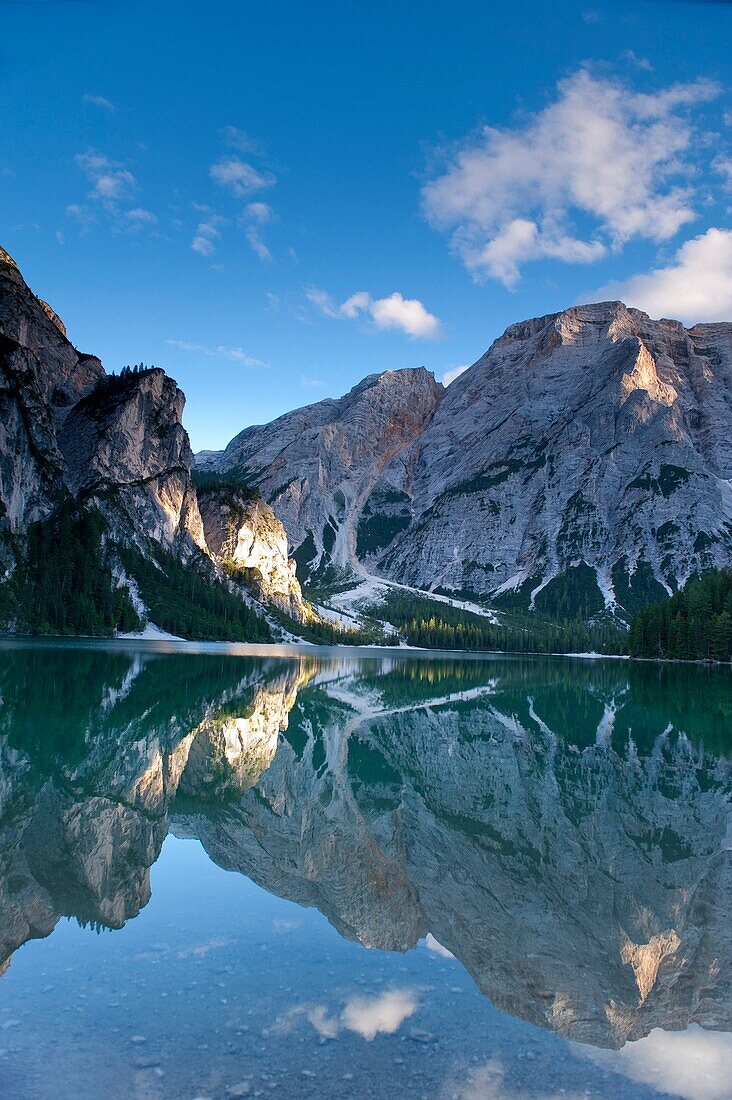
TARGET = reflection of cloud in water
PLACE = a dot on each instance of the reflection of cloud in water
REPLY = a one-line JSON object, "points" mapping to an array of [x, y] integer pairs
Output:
{"points": [[200, 949], [281, 925], [327, 1026], [436, 947], [382, 1014], [694, 1064], [487, 1082], [386, 1013]]}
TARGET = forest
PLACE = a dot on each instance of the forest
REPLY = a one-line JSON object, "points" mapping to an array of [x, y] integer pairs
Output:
{"points": [[695, 624], [425, 622]]}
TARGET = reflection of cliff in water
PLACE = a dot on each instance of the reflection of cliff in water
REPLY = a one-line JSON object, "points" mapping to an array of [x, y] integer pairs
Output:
{"points": [[560, 827], [92, 748]]}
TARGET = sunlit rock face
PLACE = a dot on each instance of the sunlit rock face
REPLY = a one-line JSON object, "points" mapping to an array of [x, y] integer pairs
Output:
{"points": [[245, 532], [228, 752], [65, 426], [318, 465], [594, 438], [591, 445]]}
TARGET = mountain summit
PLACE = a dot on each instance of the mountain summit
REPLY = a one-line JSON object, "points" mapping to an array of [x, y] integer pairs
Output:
{"points": [[583, 463]]}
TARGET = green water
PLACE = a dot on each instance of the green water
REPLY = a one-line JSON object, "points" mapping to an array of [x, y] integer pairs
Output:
{"points": [[333, 873]]}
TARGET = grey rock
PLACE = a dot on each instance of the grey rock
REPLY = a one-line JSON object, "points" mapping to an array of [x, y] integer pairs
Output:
{"points": [[593, 444]]}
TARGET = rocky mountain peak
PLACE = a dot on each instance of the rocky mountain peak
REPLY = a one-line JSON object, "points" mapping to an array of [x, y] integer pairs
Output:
{"points": [[72, 429], [6, 258], [589, 449], [317, 465]]}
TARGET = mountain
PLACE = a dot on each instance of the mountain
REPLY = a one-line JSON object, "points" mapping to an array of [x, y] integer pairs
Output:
{"points": [[583, 463], [70, 428], [97, 500], [319, 467]]}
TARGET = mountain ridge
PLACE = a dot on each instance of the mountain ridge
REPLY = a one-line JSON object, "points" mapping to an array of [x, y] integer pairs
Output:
{"points": [[95, 467], [587, 449]]}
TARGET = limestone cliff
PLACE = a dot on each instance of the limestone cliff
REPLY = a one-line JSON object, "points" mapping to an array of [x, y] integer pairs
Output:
{"points": [[242, 531], [68, 428], [583, 462], [317, 466]]}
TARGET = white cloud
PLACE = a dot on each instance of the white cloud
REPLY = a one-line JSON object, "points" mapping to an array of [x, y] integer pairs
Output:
{"points": [[100, 101], [242, 141], [723, 165], [393, 312], [634, 59], [617, 159], [692, 1064], [111, 182], [81, 214], [140, 216], [695, 286], [254, 216], [236, 355], [240, 178], [206, 235], [322, 301], [450, 376], [407, 314]]}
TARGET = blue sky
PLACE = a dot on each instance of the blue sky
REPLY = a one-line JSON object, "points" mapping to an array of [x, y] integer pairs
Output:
{"points": [[272, 201]]}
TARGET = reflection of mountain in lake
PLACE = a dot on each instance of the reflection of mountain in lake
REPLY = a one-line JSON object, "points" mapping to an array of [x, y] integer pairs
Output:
{"points": [[559, 827], [92, 747]]}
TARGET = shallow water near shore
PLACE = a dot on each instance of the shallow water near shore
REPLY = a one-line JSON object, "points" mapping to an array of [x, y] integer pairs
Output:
{"points": [[295, 872]]}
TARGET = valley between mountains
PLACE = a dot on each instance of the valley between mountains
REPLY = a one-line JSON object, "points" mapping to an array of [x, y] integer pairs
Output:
{"points": [[578, 471]]}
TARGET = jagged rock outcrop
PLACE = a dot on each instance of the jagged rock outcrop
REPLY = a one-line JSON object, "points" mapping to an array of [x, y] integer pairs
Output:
{"points": [[317, 466], [585, 460], [126, 437], [67, 427], [243, 531]]}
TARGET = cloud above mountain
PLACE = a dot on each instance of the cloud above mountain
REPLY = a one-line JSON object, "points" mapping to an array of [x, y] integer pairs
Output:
{"points": [[599, 166], [696, 285], [407, 315]]}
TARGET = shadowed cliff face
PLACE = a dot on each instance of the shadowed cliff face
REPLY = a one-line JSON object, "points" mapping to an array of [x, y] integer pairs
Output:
{"points": [[69, 427], [560, 828]]}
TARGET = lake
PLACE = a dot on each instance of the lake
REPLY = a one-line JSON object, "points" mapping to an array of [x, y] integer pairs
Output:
{"points": [[330, 873]]}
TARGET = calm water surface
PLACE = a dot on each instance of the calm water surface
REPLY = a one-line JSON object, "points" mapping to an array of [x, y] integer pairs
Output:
{"points": [[331, 874]]}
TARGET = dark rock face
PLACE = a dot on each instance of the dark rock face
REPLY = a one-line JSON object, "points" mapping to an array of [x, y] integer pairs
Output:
{"points": [[67, 427]]}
